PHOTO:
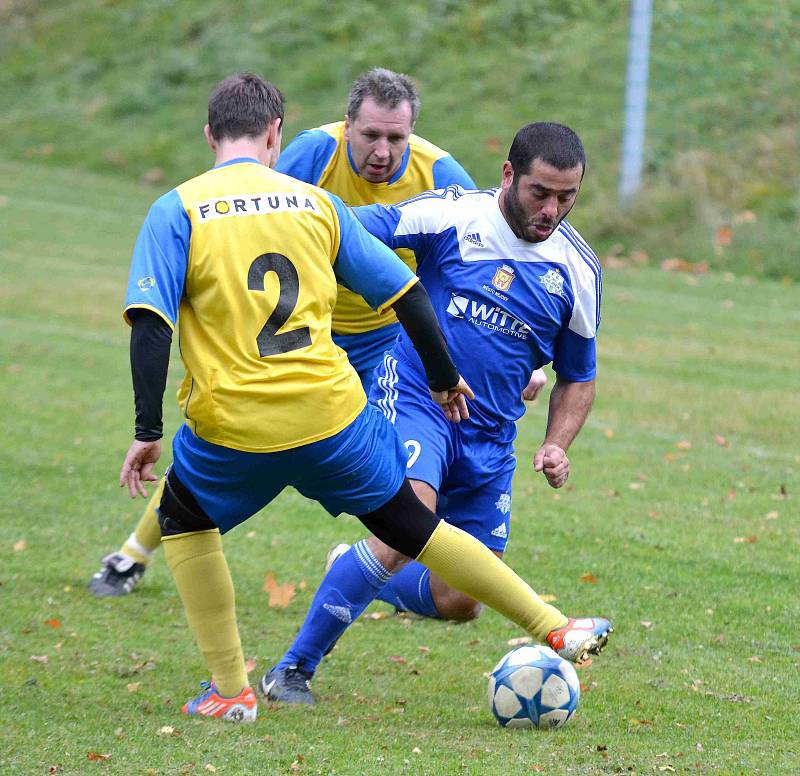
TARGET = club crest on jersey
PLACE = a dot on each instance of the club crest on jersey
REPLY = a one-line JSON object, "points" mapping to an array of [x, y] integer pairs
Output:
{"points": [[503, 277], [553, 281], [146, 283]]}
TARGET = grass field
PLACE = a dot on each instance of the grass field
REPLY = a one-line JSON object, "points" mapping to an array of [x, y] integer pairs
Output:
{"points": [[680, 523], [120, 87]]}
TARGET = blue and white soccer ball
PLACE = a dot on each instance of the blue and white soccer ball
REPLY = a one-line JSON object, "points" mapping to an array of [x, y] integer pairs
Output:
{"points": [[533, 687]]}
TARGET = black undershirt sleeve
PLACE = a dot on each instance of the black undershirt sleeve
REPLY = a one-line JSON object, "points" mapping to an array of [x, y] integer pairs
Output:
{"points": [[416, 316], [151, 338]]}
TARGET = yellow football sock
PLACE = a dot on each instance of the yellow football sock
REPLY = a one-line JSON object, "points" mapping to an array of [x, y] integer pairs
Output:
{"points": [[467, 565], [144, 541], [204, 582]]}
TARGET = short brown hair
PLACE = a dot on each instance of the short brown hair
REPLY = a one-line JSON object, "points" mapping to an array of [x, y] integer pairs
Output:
{"points": [[386, 87], [243, 104]]}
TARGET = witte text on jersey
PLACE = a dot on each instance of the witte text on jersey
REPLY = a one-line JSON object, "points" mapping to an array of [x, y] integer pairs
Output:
{"points": [[488, 316], [254, 204]]}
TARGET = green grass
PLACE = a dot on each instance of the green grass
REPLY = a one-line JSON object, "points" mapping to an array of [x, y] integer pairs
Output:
{"points": [[691, 447], [120, 87]]}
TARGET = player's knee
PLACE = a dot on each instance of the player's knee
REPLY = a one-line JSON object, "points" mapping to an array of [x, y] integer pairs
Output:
{"points": [[179, 511], [457, 606], [390, 559]]}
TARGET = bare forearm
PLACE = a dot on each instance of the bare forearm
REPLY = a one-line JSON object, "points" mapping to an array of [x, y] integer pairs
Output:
{"points": [[569, 407]]}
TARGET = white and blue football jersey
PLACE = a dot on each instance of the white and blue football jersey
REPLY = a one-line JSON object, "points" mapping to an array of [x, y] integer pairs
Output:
{"points": [[506, 306]]}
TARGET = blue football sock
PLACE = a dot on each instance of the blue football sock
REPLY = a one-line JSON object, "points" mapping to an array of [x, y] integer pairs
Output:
{"points": [[346, 590], [410, 591]]}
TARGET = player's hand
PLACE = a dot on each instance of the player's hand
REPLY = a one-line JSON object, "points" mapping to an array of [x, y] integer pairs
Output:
{"points": [[454, 401], [552, 461], [535, 384], [138, 466]]}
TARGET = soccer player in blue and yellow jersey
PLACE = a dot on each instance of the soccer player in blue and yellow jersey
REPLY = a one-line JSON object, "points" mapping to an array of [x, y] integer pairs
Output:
{"points": [[514, 287], [370, 157], [245, 262]]}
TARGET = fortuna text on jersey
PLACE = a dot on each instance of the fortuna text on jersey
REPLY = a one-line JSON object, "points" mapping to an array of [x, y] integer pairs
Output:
{"points": [[254, 204]]}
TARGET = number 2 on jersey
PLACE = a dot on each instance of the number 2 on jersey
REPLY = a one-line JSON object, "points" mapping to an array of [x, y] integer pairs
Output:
{"points": [[270, 343]]}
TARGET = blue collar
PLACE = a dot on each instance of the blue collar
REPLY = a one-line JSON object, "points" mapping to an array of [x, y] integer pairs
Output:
{"points": [[237, 161]]}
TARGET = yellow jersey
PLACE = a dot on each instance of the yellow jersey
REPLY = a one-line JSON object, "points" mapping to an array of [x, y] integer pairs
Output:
{"points": [[245, 262]]}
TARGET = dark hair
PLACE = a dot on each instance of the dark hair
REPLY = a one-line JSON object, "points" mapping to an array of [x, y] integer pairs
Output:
{"points": [[243, 104], [554, 144], [385, 87]]}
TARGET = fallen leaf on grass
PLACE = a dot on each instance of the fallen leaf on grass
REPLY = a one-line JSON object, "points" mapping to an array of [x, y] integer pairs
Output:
{"points": [[424, 649], [168, 730], [519, 641], [397, 659], [772, 515], [280, 595], [416, 750], [589, 579], [755, 659], [97, 757], [724, 235], [721, 441], [53, 622], [683, 444], [55, 768], [608, 433], [210, 768], [376, 616], [134, 686], [40, 659], [745, 539], [21, 545], [646, 624], [644, 722]]}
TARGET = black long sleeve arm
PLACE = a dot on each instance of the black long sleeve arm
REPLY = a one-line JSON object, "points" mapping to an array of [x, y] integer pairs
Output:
{"points": [[151, 338], [416, 316]]}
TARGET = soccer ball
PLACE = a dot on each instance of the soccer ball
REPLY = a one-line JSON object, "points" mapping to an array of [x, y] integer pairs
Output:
{"points": [[533, 687]]}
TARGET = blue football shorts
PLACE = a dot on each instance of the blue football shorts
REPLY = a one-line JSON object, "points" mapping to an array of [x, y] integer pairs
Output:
{"points": [[470, 467], [356, 471], [365, 351]]}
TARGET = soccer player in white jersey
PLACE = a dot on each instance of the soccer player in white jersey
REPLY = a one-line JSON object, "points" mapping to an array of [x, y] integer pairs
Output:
{"points": [[513, 284]]}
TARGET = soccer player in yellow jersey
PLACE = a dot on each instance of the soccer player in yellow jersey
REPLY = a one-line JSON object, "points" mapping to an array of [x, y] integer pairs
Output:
{"points": [[245, 262]]}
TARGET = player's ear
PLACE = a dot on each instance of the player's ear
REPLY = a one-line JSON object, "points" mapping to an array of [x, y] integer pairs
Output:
{"points": [[508, 174], [274, 134], [212, 144]]}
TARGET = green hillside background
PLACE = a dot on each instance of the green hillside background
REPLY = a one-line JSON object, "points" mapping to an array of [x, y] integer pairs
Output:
{"points": [[119, 87]]}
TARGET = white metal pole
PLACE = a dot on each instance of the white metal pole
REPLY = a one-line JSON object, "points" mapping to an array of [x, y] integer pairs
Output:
{"points": [[630, 178]]}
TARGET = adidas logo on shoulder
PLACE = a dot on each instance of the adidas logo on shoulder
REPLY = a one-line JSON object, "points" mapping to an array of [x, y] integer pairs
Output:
{"points": [[475, 239]]}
